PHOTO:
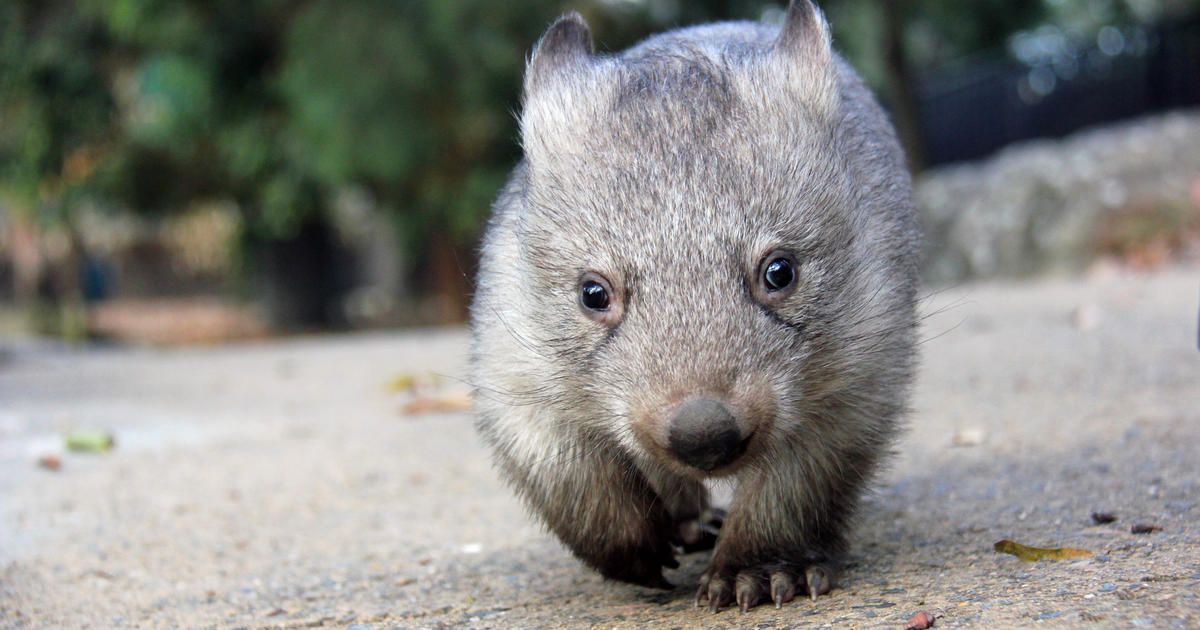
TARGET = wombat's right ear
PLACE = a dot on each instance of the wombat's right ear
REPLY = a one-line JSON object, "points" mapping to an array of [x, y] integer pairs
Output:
{"points": [[806, 33], [567, 44], [806, 54]]}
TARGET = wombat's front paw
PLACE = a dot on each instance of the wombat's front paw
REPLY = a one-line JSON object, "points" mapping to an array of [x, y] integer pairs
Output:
{"points": [[750, 585], [640, 565]]}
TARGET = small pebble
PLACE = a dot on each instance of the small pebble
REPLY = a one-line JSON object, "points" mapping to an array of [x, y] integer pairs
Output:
{"points": [[1102, 518], [1086, 317], [972, 436], [1142, 528]]}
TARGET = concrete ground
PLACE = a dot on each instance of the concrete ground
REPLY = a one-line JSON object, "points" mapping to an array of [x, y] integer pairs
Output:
{"points": [[283, 484]]}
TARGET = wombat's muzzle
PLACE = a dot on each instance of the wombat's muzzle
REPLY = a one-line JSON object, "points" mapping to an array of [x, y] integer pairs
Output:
{"points": [[705, 435]]}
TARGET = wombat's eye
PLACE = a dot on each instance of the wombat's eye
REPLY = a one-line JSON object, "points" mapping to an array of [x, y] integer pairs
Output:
{"points": [[597, 299], [777, 274], [777, 278], [593, 296]]}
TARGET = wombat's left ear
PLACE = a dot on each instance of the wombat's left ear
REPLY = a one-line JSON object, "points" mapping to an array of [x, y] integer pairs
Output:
{"points": [[567, 44], [805, 33]]}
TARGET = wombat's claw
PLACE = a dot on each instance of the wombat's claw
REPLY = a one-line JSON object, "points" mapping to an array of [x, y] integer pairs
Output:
{"points": [[783, 588], [751, 587], [819, 580], [750, 591], [747, 590], [702, 591], [719, 595], [715, 593]]}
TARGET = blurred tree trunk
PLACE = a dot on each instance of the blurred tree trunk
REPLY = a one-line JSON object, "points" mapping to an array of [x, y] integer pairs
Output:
{"points": [[450, 279], [48, 288], [25, 256], [902, 83], [300, 279]]}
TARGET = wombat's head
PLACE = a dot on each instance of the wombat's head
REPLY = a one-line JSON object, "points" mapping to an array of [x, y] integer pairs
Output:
{"points": [[703, 266]]}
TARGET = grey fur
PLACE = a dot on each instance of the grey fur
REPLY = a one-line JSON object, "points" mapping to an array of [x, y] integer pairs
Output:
{"points": [[672, 170]]}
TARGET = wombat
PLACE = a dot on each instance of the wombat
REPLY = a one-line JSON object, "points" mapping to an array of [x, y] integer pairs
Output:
{"points": [[704, 267]]}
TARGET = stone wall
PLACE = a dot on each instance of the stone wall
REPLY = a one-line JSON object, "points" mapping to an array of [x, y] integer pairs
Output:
{"points": [[1057, 205]]}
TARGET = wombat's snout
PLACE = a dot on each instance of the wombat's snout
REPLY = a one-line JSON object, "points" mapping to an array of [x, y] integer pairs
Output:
{"points": [[704, 434]]}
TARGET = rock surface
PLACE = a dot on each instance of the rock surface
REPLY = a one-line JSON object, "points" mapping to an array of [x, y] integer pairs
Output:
{"points": [[1058, 204], [281, 485]]}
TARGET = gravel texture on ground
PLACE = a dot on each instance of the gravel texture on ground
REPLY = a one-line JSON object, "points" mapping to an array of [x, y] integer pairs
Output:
{"points": [[287, 485]]}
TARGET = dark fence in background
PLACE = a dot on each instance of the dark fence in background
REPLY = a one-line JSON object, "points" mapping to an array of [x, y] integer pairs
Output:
{"points": [[969, 114]]}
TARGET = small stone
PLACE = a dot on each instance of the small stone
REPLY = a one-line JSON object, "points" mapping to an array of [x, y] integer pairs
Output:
{"points": [[1102, 518], [972, 436], [920, 621], [1086, 317]]}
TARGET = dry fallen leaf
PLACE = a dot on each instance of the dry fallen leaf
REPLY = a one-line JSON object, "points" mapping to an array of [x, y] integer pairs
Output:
{"points": [[1033, 554], [444, 404], [408, 381], [401, 383]]}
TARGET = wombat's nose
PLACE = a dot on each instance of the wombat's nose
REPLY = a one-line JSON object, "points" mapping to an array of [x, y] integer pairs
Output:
{"points": [[704, 434]]}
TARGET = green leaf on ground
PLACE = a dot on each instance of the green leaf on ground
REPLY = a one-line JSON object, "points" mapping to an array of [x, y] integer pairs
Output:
{"points": [[89, 440], [1033, 554]]}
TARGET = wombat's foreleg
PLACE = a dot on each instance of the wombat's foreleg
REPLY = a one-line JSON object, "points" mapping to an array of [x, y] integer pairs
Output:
{"points": [[603, 508], [782, 536]]}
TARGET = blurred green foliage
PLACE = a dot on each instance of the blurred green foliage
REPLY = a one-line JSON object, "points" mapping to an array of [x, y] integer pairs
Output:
{"points": [[145, 105], [54, 104], [149, 105]]}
